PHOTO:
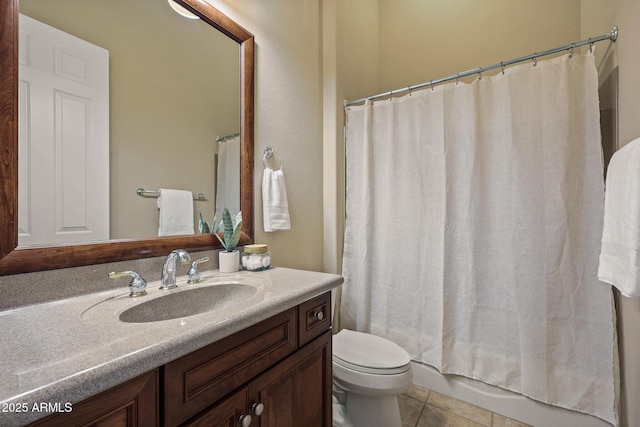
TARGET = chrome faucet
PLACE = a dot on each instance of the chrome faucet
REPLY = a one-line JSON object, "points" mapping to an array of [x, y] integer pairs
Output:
{"points": [[168, 280]]}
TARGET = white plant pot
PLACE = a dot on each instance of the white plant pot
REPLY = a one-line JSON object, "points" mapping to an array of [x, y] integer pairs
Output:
{"points": [[229, 262]]}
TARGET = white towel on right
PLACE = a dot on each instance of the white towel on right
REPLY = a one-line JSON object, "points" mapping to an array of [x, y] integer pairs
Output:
{"points": [[620, 253], [275, 206]]}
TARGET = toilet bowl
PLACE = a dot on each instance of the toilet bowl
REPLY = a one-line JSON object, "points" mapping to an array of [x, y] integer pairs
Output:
{"points": [[369, 372]]}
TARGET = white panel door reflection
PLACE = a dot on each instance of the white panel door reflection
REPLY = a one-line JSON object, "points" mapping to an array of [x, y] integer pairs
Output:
{"points": [[63, 137]]}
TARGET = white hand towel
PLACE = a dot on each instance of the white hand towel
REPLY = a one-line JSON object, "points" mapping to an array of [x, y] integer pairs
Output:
{"points": [[275, 207], [620, 253], [176, 212]]}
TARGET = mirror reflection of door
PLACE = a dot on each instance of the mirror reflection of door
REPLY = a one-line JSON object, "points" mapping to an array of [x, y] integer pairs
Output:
{"points": [[174, 86], [64, 134]]}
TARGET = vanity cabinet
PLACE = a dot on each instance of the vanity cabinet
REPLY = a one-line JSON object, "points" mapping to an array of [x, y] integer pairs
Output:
{"points": [[295, 392], [194, 381], [291, 352], [276, 373]]}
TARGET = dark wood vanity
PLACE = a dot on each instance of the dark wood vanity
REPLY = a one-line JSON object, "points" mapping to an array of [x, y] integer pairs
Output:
{"points": [[277, 372]]}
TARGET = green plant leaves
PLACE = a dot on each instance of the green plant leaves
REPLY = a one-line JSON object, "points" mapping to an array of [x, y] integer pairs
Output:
{"points": [[203, 225], [231, 228]]}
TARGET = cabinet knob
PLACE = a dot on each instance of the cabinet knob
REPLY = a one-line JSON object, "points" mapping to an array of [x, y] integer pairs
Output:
{"points": [[245, 420], [258, 408], [319, 315]]}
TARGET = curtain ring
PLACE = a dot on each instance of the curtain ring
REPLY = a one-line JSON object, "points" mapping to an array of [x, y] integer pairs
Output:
{"points": [[502, 67], [590, 45], [572, 50], [457, 78], [480, 73], [431, 83], [535, 60]]}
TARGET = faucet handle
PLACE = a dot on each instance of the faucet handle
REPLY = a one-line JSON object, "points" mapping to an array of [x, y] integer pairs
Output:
{"points": [[137, 286], [194, 273]]}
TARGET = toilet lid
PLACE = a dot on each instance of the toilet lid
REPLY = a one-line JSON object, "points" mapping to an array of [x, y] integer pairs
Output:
{"points": [[368, 353]]}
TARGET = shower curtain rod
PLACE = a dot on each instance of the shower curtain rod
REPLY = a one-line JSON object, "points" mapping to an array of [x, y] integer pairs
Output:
{"points": [[613, 36]]}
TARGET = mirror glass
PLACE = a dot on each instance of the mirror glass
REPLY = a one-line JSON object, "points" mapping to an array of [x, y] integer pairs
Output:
{"points": [[138, 97], [14, 259]]}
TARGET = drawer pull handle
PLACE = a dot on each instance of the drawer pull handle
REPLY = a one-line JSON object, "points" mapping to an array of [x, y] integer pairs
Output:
{"points": [[319, 315], [258, 408], [245, 420]]}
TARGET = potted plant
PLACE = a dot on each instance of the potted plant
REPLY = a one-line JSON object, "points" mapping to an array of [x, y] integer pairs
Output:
{"points": [[230, 228]]}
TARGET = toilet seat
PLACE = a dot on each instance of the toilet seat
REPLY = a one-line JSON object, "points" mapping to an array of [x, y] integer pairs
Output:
{"points": [[369, 354], [369, 370]]}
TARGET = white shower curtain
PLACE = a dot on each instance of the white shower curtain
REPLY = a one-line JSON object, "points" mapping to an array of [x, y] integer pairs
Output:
{"points": [[228, 178], [473, 220]]}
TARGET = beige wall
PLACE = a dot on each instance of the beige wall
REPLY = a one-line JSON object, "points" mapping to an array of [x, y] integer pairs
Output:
{"points": [[424, 40], [162, 128], [597, 18], [288, 117]]}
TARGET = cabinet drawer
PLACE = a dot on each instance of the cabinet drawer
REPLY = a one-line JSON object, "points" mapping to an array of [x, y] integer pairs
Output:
{"points": [[314, 317], [194, 381]]}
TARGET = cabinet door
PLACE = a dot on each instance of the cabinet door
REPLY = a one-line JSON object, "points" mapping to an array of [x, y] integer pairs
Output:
{"points": [[132, 404], [297, 391], [227, 413]]}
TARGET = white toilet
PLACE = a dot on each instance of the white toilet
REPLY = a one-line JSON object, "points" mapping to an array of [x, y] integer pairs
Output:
{"points": [[369, 372]]}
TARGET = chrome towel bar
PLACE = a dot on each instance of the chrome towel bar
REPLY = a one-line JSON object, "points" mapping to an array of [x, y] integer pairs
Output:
{"points": [[146, 193]]}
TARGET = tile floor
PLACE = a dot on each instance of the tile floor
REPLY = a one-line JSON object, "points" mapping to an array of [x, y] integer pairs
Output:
{"points": [[420, 407]]}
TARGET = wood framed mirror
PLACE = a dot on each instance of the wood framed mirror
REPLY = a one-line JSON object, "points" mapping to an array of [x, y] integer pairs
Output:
{"points": [[14, 259]]}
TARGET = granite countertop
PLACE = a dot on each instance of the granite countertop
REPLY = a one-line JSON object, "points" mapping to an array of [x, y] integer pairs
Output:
{"points": [[65, 351]]}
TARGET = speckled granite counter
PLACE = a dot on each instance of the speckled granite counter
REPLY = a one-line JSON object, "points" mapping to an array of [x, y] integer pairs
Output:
{"points": [[66, 351]]}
